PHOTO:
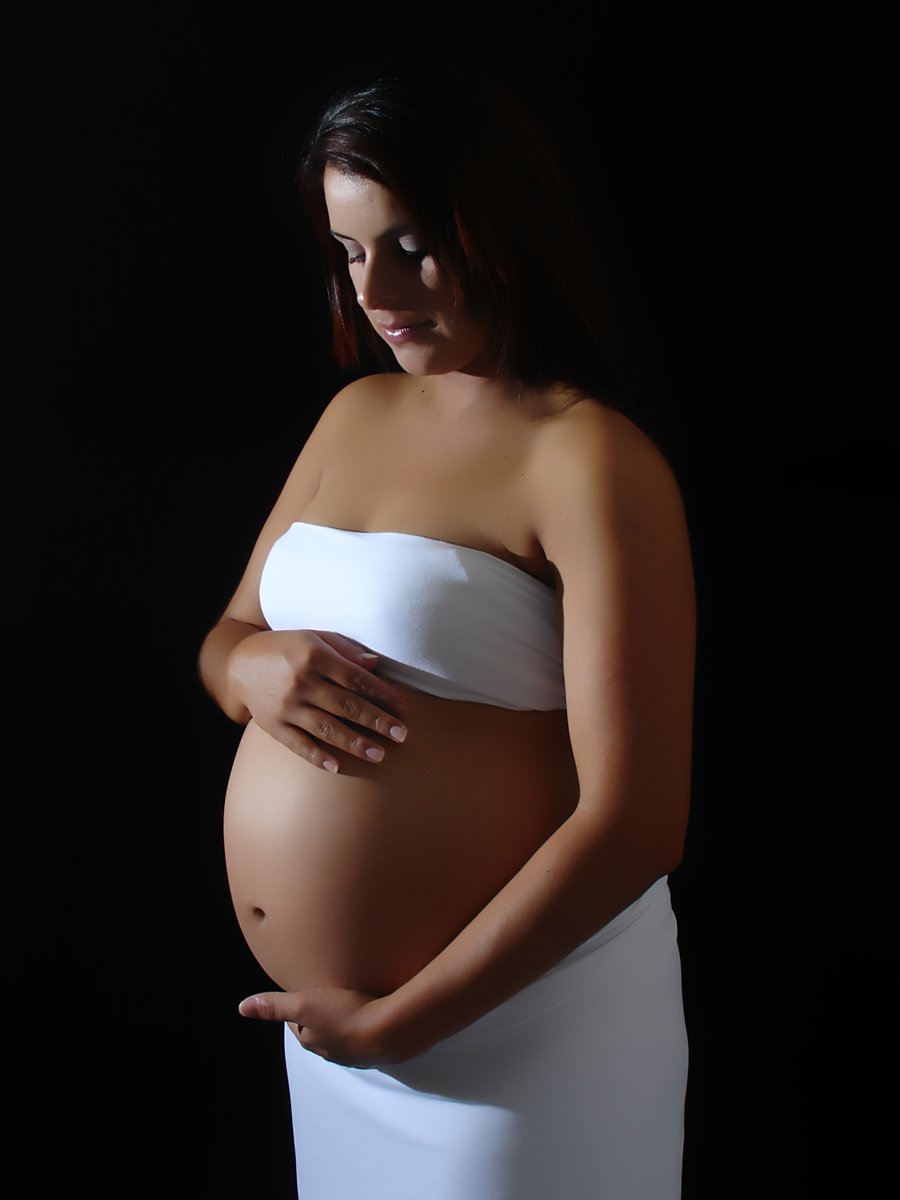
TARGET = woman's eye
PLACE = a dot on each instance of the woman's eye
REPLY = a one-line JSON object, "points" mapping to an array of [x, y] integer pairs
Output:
{"points": [[412, 249], [409, 249]]}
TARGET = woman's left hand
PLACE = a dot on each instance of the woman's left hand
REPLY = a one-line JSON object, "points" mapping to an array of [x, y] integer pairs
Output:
{"points": [[338, 1024]]}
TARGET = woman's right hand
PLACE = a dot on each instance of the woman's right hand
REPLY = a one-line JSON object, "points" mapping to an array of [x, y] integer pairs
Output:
{"points": [[312, 690]]}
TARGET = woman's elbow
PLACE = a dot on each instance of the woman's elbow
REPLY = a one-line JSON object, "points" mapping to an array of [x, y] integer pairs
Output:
{"points": [[659, 844], [670, 854]]}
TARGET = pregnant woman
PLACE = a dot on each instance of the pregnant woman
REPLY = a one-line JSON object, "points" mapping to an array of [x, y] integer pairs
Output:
{"points": [[463, 652]]}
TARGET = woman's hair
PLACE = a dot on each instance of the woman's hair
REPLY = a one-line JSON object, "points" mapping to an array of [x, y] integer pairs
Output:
{"points": [[477, 172]]}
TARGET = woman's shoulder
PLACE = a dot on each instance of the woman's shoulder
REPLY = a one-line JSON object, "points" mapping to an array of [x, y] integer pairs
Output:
{"points": [[363, 401], [583, 434], [591, 459], [366, 390]]}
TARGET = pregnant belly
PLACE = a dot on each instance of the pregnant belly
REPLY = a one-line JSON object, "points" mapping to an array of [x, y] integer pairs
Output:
{"points": [[359, 879]]}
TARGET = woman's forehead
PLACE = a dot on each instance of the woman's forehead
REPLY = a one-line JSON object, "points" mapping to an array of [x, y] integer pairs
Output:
{"points": [[360, 201]]}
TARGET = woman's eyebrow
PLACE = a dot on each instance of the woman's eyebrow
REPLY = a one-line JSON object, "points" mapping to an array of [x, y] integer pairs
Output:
{"points": [[394, 231]]}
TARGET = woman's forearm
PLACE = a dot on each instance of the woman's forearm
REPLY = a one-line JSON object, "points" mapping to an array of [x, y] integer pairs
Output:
{"points": [[583, 876]]}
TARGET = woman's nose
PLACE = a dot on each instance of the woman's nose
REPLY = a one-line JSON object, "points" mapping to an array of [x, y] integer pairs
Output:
{"points": [[378, 285]]}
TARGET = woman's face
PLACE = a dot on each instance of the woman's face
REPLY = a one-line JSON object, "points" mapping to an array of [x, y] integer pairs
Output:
{"points": [[397, 282]]}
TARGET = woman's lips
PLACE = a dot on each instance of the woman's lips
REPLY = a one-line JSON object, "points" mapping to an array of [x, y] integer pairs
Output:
{"points": [[403, 332]]}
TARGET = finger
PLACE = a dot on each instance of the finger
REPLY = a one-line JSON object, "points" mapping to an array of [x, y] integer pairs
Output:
{"points": [[309, 730], [327, 731], [337, 710], [352, 669], [360, 711], [306, 747], [271, 1006], [285, 1007], [349, 649]]}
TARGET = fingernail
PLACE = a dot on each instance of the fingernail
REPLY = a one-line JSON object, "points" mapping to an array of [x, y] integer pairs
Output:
{"points": [[328, 764], [398, 733], [367, 654], [375, 753]]}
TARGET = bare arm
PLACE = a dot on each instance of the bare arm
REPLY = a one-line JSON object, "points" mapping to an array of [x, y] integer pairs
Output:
{"points": [[610, 520]]}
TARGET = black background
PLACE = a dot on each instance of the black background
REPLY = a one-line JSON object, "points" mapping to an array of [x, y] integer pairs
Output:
{"points": [[169, 353]]}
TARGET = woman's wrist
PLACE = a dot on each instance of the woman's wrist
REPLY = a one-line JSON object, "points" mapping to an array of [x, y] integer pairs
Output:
{"points": [[393, 1034]]}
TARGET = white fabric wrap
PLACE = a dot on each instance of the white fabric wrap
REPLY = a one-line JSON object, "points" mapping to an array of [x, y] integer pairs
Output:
{"points": [[448, 620]]}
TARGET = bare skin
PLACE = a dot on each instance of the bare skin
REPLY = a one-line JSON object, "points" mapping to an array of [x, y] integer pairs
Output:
{"points": [[400, 864], [359, 879]]}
